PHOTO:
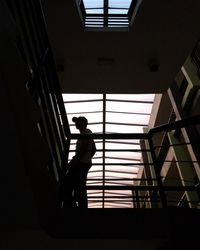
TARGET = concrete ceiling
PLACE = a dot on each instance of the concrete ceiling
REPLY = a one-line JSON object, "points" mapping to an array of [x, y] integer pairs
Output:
{"points": [[166, 30]]}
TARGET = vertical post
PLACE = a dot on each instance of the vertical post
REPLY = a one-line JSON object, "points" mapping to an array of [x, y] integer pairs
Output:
{"points": [[157, 172], [103, 151], [105, 13], [137, 198]]}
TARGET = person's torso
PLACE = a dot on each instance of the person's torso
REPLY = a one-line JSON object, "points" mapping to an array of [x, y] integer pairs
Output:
{"points": [[85, 145]]}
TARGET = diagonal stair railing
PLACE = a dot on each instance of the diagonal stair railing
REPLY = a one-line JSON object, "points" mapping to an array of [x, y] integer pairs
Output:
{"points": [[43, 84]]}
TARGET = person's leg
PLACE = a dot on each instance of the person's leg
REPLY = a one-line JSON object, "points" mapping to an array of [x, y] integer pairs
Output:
{"points": [[80, 188], [69, 186]]}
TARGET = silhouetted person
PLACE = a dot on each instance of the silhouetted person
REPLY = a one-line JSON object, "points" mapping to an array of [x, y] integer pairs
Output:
{"points": [[75, 193]]}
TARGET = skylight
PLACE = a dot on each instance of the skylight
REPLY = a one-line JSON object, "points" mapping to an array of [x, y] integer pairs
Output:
{"points": [[111, 113], [107, 14]]}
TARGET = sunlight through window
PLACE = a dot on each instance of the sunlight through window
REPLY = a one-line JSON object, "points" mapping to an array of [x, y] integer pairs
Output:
{"points": [[107, 14], [119, 163]]}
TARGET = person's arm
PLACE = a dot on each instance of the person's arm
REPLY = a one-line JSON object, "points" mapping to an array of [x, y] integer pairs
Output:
{"points": [[83, 148]]}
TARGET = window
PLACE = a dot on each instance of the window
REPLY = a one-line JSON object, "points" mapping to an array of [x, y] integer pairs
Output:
{"points": [[107, 14], [117, 162]]}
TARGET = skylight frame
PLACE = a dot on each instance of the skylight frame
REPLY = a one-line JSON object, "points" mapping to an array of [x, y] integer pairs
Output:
{"points": [[105, 14]]}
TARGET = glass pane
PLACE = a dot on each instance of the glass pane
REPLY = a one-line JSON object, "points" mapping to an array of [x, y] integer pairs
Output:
{"points": [[93, 3], [118, 11], [81, 97], [116, 175], [129, 107], [120, 161], [115, 145], [123, 169], [93, 23], [119, 3], [95, 19], [118, 23], [94, 11], [84, 107], [121, 18], [132, 97], [95, 174], [92, 193], [92, 26], [95, 204], [124, 155], [127, 118], [112, 128]]}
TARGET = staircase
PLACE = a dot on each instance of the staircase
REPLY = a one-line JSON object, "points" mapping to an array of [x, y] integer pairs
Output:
{"points": [[154, 200]]}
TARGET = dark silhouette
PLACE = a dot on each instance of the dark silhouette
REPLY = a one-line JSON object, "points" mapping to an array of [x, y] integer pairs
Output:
{"points": [[74, 185]]}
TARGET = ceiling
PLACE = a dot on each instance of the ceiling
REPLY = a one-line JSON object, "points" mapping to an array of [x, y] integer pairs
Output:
{"points": [[117, 62]]}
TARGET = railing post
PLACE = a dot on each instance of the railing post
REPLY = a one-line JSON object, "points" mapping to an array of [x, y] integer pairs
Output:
{"points": [[157, 173], [137, 198]]}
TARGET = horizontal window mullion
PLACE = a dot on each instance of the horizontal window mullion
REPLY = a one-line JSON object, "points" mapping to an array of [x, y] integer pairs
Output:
{"points": [[132, 101], [117, 8], [126, 124]]}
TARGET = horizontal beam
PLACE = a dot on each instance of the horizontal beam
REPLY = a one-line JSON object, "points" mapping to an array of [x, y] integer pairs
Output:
{"points": [[177, 124], [152, 188], [116, 136]]}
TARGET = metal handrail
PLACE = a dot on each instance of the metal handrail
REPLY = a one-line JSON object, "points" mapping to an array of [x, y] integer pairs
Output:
{"points": [[175, 125]]}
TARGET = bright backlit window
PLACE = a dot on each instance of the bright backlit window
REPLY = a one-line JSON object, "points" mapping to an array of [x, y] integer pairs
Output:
{"points": [[107, 14], [117, 162]]}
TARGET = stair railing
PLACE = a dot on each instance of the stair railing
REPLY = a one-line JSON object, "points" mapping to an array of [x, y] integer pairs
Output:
{"points": [[43, 84], [145, 195]]}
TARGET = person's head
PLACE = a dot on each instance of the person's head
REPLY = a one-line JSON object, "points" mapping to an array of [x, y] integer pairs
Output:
{"points": [[80, 122]]}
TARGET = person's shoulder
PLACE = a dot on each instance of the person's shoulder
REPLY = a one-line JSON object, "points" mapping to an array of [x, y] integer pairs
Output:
{"points": [[88, 131]]}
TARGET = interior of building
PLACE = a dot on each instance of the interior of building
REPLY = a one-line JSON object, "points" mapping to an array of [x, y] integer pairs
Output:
{"points": [[133, 69]]}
